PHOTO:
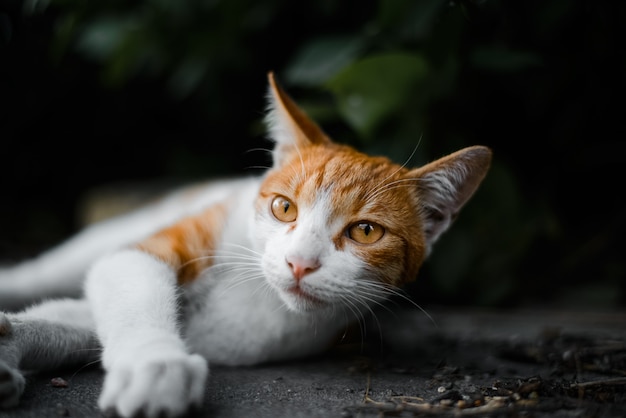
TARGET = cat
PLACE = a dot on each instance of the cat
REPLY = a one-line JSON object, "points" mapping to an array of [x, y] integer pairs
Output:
{"points": [[234, 272]]}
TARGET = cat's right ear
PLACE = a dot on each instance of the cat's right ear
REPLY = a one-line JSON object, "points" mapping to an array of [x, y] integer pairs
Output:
{"points": [[445, 185], [289, 127]]}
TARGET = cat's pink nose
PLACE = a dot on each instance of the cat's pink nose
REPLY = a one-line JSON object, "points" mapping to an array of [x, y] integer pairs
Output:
{"points": [[301, 266]]}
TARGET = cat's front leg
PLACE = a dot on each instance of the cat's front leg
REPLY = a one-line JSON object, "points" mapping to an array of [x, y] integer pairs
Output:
{"points": [[149, 370]]}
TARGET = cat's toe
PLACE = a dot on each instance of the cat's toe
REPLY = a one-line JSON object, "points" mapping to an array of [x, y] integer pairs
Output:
{"points": [[166, 388], [11, 386]]}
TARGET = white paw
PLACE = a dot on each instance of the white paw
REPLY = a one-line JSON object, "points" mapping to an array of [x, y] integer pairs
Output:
{"points": [[162, 387]]}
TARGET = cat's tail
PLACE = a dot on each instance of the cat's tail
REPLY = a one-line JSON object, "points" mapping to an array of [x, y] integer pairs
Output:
{"points": [[60, 271], [33, 280]]}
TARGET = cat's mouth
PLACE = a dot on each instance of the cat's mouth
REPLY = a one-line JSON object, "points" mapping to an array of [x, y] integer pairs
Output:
{"points": [[303, 295]]}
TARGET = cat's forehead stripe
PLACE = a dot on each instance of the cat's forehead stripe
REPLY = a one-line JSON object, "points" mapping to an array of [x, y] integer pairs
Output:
{"points": [[350, 179]]}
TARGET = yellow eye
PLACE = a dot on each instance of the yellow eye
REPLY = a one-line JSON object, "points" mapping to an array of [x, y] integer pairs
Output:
{"points": [[283, 209], [365, 232]]}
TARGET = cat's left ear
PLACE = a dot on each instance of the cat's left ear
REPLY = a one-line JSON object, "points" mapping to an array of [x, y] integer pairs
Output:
{"points": [[445, 185], [288, 125]]}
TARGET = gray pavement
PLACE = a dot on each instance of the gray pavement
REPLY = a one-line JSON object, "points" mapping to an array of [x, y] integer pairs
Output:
{"points": [[417, 368]]}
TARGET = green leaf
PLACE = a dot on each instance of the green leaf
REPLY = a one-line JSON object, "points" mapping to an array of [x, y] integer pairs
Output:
{"points": [[101, 38], [187, 76], [375, 87], [321, 59]]}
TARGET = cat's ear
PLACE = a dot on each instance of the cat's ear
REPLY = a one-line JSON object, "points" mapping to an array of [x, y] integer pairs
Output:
{"points": [[445, 185], [288, 125]]}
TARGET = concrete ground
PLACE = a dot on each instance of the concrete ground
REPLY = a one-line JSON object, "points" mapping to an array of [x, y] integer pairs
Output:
{"points": [[469, 362]]}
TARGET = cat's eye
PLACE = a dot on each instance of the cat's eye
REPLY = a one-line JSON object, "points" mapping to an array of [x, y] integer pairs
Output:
{"points": [[365, 232], [283, 209]]}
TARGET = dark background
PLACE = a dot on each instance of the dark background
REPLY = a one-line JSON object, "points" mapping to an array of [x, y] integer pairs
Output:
{"points": [[94, 93]]}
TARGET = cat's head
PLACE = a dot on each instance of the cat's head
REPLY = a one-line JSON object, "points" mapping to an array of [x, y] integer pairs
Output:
{"points": [[339, 227]]}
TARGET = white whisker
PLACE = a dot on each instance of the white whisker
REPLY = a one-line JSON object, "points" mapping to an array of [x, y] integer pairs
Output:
{"points": [[374, 190], [396, 291], [84, 366], [258, 167], [241, 247], [393, 185], [266, 150], [238, 282], [303, 173], [357, 314]]}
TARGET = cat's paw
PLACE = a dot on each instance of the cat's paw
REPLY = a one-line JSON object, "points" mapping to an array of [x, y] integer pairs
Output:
{"points": [[11, 386], [155, 387]]}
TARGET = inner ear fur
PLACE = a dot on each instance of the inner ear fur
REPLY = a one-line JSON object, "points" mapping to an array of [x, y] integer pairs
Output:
{"points": [[445, 185], [289, 127]]}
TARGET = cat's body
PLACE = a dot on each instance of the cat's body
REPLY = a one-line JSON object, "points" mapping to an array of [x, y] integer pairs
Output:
{"points": [[235, 272]]}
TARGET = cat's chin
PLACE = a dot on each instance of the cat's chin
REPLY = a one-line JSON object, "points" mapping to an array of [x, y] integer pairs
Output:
{"points": [[297, 300]]}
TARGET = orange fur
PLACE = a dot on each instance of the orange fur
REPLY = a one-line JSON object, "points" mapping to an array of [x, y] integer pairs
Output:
{"points": [[189, 245], [352, 178]]}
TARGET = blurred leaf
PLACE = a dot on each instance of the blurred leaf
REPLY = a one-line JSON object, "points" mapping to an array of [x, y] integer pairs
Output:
{"points": [[131, 53], [320, 111], [102, 38], [373, 88], [187, 76], [35, 6], [322, 58], [497, 58]]}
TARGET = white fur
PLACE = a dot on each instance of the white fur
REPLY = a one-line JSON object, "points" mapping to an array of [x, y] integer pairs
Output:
{"points": [[134, 301]]}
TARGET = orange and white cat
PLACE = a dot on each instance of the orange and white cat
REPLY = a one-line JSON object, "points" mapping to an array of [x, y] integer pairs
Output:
{"points": [[233, 272]]}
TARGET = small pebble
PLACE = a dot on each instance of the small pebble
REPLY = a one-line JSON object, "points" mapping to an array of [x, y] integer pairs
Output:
{"points": [[59, 382], [5, 326]]}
